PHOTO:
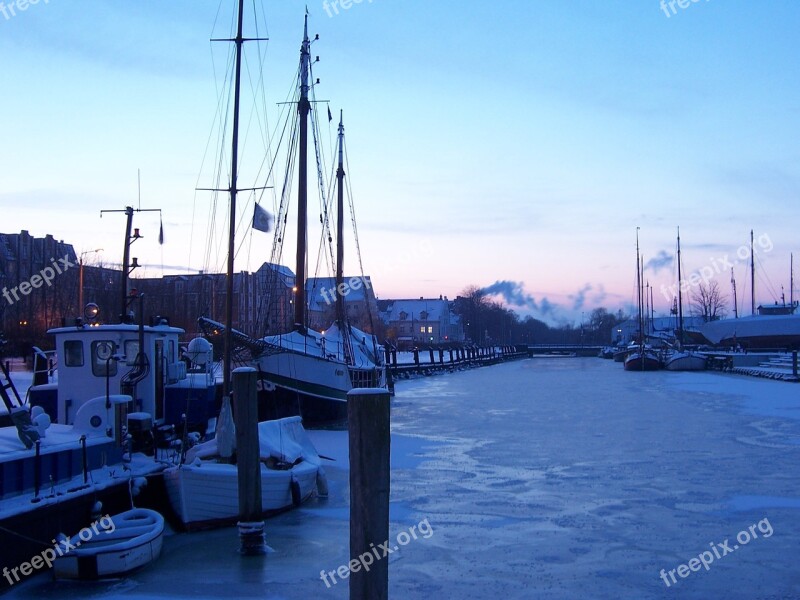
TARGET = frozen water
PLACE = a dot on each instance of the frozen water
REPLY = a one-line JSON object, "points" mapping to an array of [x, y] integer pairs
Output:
{"points": [[564, 478]]}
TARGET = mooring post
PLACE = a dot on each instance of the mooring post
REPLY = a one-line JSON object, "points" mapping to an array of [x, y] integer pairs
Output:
{"points": [[416, 356], [368, 421], [248, 462], [430, 351]]}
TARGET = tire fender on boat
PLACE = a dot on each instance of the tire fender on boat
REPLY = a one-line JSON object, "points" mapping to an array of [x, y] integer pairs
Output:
{"points": [[322, 483], [297, 495]]}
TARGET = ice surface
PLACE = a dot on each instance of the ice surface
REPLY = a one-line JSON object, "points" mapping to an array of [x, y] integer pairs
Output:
{"points": [[566, 478]]}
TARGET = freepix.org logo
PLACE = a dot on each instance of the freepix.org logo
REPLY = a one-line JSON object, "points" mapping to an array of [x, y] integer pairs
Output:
{"points": [[45, 276]]}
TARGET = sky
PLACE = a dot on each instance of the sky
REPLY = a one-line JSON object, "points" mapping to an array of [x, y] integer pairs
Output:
{"points": [[513, 145]]}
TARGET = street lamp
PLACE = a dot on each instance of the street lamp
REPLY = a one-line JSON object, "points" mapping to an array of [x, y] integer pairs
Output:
{"points": [[80, 275]]}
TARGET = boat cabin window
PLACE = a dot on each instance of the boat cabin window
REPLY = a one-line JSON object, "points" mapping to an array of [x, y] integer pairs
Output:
{"points": [[73, 353], [102, 362], [131, 350]]}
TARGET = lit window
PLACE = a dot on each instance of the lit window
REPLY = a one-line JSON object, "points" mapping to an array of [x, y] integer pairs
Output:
{"points": [[430, 329], [422, 329]]}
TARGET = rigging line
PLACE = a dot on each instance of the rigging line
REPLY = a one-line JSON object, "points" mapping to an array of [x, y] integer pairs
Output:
{"points": [[349, 190], [763, 277], [281, 220], [321, 183], [221, 123], [208, 144]]}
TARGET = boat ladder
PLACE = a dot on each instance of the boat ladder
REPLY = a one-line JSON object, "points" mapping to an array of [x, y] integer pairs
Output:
{"points": [[5, 385]]}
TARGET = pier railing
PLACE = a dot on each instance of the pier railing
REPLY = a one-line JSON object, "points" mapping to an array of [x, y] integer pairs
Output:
{"points": [[430, 360]]}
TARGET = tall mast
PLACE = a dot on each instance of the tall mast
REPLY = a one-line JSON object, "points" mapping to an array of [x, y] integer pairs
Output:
{"points": [[735, 307], [752, 277], [791, 281], [680, 295], [340, 310], [303, 108], [639, 291], [239, 40]]}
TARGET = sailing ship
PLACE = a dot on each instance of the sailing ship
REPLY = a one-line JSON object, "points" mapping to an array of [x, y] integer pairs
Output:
{"points": [[681, 358], [641, 358], [203, 490], [304, 371]]}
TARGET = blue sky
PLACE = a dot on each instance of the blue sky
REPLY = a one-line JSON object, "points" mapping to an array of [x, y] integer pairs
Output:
{"points": [[488, 141]]}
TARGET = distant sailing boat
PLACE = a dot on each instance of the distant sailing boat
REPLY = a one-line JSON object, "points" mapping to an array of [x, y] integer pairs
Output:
{"points": [[642, 358], [309, 372], [681, 359]]}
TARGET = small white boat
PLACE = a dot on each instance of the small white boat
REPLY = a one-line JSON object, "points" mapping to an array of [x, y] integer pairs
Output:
{"points": [[204, 491], [130, 540]]}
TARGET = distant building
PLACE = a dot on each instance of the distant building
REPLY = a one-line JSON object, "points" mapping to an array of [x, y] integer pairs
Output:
{"points": [[423, 321], [360, 303], [38, 282], [257, 311]]}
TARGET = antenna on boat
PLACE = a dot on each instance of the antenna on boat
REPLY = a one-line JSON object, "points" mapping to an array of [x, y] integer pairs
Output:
{"points": [[127, 265]]}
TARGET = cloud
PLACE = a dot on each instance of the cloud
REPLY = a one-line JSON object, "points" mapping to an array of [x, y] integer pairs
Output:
{"points": [[512, 293], [579, 298], [660, 261]]}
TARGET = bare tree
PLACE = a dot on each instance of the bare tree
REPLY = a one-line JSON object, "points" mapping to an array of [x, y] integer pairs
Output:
{"points": [[708, 301]]}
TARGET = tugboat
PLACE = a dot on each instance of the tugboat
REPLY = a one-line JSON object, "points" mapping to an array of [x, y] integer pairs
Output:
{"points": [[83, 443]]}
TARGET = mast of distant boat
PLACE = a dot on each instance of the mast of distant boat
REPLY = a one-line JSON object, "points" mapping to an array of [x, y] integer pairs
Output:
{"points": [[303, 108], [735, 301], [791, 281], [680, 296], [340, 310], [752, 277], [639, 294]]}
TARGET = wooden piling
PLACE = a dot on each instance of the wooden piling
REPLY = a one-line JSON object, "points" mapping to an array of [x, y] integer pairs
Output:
{"points": [[251, 523], [368, 422]]}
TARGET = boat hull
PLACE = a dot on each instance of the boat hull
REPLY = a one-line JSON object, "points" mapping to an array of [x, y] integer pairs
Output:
{"points": [[206, 494], [686, 361], [133, 542], [638, 361], [294, 384]]}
